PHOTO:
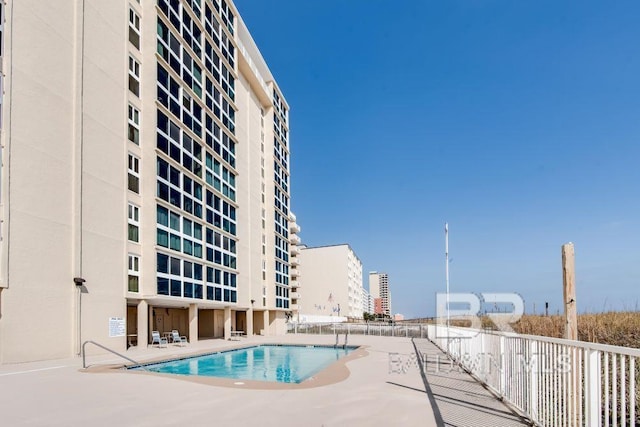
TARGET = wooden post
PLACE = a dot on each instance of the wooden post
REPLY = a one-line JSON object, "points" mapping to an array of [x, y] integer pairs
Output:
{"points": [[569, 285], [571, 318]]}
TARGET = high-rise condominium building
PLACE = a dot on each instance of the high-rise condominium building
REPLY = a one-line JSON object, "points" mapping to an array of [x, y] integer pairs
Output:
{"points": [[332, 288], [145, 176], [379, 289]]}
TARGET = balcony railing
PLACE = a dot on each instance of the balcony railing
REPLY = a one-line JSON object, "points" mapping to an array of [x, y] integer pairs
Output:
{"points": [[253, 67], [294, 239]]}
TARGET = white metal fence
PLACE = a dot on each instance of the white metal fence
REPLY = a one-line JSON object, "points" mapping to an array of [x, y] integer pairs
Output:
{"points": [[376, 329], [556, 382]]}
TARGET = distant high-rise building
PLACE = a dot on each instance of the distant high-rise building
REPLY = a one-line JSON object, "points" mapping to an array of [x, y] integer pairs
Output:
{"points": [[379, 288], [377, 306], [332, 288]]}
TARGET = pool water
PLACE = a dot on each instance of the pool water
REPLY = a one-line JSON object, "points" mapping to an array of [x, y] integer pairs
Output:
{"points": [[280, 363]]}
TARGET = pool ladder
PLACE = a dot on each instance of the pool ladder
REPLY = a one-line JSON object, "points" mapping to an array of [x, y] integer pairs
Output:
{"points": [[346, 336]]}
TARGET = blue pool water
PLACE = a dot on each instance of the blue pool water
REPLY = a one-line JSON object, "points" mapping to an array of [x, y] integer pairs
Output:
{"points": [[285, 364]]}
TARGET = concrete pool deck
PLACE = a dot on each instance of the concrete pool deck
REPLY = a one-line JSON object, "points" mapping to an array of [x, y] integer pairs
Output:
{"points": [[61, 393]]}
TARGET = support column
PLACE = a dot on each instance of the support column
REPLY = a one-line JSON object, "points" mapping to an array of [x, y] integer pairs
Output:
{"points": [[143, 323], [249, 317], [151, 315], [265, 322], [193, 323], [227, 323]]}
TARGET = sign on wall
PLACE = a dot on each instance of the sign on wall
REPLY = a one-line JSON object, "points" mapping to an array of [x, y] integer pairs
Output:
{"points": [[117, 327]]}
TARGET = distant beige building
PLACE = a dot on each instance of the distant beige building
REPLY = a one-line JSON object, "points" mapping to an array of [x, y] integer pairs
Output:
{"points": [[332, 290], [379, 289], [145, 177]]}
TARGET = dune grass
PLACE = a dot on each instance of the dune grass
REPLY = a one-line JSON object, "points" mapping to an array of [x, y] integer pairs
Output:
{"points": [[613, 328]]}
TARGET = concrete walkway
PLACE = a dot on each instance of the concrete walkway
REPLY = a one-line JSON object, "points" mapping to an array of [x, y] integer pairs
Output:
{"points": [[459, 400]]}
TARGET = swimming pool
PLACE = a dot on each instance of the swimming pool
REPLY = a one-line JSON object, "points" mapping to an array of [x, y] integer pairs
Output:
{"points": [[279, 363]]}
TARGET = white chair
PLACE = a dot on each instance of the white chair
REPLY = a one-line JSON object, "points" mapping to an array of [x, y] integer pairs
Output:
{"points": [[158, 340], [178, 339]]}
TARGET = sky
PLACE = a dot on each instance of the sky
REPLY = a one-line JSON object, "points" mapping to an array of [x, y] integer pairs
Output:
{"points": [[517, 122]]}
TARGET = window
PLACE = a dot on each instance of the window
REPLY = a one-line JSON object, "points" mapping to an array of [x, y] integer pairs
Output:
{"points": [[133, 181], [134, 273], [134, 29], [134, 223], [134, 125], [134, 76]]}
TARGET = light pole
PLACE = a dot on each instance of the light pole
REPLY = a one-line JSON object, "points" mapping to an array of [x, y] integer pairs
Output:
{"points": [[446, 257]]}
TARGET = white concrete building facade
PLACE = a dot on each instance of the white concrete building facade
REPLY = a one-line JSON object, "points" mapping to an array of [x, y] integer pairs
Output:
{"points": [[145, 176], [333, 288], [367, 302]]}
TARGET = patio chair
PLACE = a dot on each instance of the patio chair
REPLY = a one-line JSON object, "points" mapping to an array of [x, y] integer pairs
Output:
{"points": [[157, 339], [178, 339]]}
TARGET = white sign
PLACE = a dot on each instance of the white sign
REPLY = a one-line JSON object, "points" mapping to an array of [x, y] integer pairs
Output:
{"points": [[117, 327]]}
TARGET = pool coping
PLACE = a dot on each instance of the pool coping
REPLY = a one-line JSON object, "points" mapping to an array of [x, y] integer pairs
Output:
{"points": [[334, 373]]}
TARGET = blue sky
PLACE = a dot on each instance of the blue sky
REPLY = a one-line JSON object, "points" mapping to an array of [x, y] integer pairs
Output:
{"points": [[518, 122]]}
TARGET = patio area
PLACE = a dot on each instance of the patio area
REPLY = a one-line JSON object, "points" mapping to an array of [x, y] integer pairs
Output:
{"points": [[62, 393]]}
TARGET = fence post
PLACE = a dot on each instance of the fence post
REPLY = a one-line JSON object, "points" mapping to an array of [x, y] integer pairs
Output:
{"points": [[503, 368], [533, 379], [593, 389], [482, 358]]}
